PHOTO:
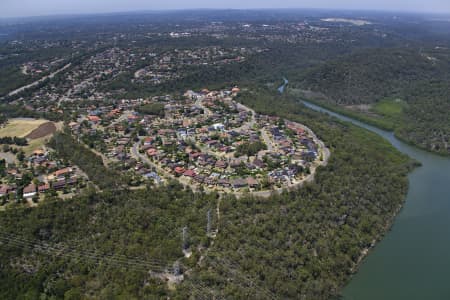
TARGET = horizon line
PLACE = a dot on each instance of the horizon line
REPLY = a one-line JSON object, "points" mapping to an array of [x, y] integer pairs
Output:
{"points": [[163, 10]]}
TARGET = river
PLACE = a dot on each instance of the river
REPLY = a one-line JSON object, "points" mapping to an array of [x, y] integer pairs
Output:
{"points": [[283, 86], [413, 260]]}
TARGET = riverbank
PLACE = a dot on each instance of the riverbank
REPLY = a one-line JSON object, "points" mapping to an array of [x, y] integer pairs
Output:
{"points": [[417, 242], [388, 225], [379, 123]]}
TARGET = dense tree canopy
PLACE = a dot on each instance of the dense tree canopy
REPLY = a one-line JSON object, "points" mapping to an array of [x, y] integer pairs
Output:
{"points": [[69, 149], [152, 109], [115, 241], [303, 243], [361, 81]]}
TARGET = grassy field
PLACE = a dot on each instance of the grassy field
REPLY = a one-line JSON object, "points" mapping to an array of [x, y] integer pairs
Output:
{"points": [[390, 108], [35, 144], [39, 142], [23, 127], [20, 127]]}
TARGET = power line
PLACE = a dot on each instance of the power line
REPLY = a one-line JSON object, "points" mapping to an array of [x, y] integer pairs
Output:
{"points": [[60, 250], [233, 269], [202, 291], [185, 238], [86, 255], [208, 225]]}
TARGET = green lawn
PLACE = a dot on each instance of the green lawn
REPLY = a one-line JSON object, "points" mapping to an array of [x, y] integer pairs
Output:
{"points": [[20, 127], [390, 108]]}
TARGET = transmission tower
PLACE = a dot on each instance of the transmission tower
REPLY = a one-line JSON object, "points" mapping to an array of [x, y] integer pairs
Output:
{"points": [[185, 237], [208, 225], [176, 268]]}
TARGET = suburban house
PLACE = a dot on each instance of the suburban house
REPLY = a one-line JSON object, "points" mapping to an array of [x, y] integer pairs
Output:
{"points": [[5, 190], [29, 191]]}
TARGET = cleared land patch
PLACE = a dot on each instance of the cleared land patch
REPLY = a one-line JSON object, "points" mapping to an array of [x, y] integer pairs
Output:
{"points": [[21, 127], [390, 108], [42, 131], [37, 131]]}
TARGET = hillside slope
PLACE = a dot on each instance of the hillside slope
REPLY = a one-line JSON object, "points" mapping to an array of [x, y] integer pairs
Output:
{"points": [[300, 244], [400, 89]]}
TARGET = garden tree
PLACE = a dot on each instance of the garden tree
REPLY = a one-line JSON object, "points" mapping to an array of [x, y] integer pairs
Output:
{"points": [[2, 167], [152, 109], [140, 130], [35, 181], [14, 141], [20, 156], [250, 149]]}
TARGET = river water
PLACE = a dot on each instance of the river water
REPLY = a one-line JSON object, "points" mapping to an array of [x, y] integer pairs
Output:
{"points": [[413, 260], [283, 86]]}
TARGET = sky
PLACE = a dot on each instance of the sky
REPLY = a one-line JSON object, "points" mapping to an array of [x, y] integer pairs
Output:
{"points": [[19, 8]]}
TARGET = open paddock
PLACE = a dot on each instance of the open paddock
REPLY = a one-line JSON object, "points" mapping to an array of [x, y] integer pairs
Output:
{"points": [[21, 127]]}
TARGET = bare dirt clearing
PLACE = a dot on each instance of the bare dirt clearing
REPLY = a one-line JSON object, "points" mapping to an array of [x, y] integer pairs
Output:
{"points": [[42, 131]]}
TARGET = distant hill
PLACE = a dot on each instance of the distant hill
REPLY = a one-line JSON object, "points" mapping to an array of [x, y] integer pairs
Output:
{"points": [[373, 74], [406, 90]]}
